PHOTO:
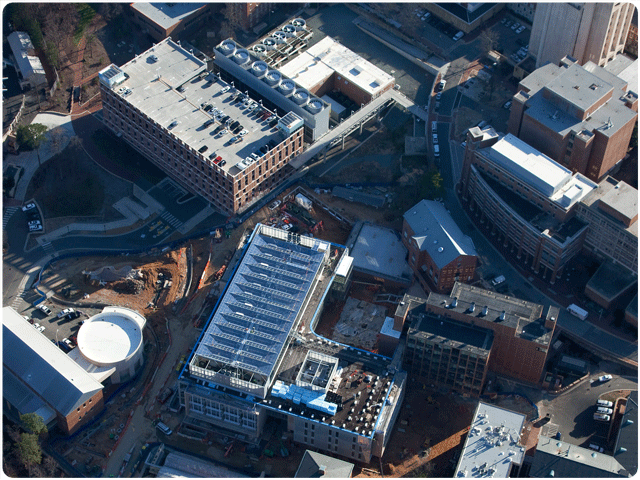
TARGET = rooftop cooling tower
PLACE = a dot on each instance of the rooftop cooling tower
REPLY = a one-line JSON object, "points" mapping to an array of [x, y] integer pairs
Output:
{"points": [[280, 36], [259, 68], [301, 96], [228, 47], [299, 23], [270, 43], [273, 78], [289, 29], [286, 87], [315, 106], [241, 56], [259, 49]]}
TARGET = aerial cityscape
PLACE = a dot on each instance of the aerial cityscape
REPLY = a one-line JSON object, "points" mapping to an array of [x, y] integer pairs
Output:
{"points": [[320, 240]]}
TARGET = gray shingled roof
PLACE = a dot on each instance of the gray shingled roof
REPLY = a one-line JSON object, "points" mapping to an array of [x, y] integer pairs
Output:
{"points": [[626, 450], [42, 366], [316, 465], [437, 233]]}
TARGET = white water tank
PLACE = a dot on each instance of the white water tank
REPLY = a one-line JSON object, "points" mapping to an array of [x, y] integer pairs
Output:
{"points": [[301, 96], [314, 106], [228, 47], [241, 56], [259, 68], [273, 78], [287, 87]]}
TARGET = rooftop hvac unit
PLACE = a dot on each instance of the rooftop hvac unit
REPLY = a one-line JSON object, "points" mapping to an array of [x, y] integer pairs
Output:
{"points": [[259, 68], [228, 47], [241, 56], [315, 106], [300, 96], [279, 36], [299, 23], [270, 43], [287, 87], [273, 78], [289, 29], [259, 49]]}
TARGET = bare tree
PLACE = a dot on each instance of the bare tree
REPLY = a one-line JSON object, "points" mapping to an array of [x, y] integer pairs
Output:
{"points": [[488, 40]]}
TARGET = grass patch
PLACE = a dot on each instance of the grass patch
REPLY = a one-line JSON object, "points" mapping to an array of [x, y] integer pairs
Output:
{"points": [[126, 158]]}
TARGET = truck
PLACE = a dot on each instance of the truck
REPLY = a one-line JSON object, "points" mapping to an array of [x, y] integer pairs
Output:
{"points": [[576, 311], [304, 202]]}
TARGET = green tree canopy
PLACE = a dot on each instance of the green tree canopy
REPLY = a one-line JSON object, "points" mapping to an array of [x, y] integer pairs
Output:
{"points": [[29, 450], [29, 137], [33, 423]]}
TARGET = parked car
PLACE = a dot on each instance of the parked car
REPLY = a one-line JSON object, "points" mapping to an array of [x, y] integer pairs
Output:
{"points": [[225, 89], [515, 26], [68, 343], [605, 378], [44, 309], [507, 105], [38, 327], [520, 29], [35, 228], [601, 417], [604, 410], [65, 312], [500, 279], [163, 428], [275, 204], [595, 447], [604, 403], [28, 207], [442, 84]]}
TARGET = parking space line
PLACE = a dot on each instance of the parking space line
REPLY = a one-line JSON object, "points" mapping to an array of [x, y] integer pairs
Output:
{"points": [[8, 213]]}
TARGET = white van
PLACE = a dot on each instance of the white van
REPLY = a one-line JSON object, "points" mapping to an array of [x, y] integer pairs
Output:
{"points": [[163, 428], [604, 403], [576, 311], [458, 36], [436, 150]]}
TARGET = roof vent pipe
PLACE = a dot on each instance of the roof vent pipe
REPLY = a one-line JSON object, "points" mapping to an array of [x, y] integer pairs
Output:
{"points": [[454, 304], [485, 311], [472, 307], [502, 315]]}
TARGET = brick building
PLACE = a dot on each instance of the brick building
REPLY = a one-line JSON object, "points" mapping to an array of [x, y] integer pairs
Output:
{"points": [[247, 15], [522, 331], [446, 352], [156, 103], [611, 211], [162, 20], [588, 32], [329, 66], [631, 45], [439, 253], [527, 200], [580, 116], [40, 378]]}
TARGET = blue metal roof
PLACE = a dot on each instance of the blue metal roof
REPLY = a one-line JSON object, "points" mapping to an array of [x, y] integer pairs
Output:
{"points": [[254, 318]]}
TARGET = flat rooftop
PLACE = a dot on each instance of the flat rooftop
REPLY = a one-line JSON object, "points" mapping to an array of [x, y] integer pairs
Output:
{"points": [[539, 171], [611, 280], [170, 85], [167, 14], [493, 443], [378, 250], [623, 199], [255, 316], [327, 56], [435, 329], [526, 318]]}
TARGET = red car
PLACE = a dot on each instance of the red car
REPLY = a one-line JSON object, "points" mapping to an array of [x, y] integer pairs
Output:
{"points": [[217, 160]]}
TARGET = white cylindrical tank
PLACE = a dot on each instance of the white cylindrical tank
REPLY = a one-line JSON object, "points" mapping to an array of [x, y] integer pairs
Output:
{"points": [[241, 56], [259, 68], [314, 106], [113, 338], [301, 96], [273, 78], [228, 47], [287, 87]]}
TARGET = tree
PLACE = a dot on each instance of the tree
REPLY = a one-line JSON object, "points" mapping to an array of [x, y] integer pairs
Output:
{"points": [[33, 423], [488, 40], [30, 137], [29, 450]]}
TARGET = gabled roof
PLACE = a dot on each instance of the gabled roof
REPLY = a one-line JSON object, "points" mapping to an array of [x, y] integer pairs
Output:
{"points": [[317, 465], [437, 233], [22, 48], [40, 365]]}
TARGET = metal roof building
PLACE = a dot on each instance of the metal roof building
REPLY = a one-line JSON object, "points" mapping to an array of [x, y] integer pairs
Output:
{"points": [[317, 465], [554, 458], [437, 233], [36, 365], [29, 64], [244, 342]]}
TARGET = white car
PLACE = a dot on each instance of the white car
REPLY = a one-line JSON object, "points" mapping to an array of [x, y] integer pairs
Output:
{"points": [[38, 327], [507, 105], [243, 132], [68, 343], [65, 312], [28, 206], [605, 378], [44, 309], [33, 223], [274, 205], [515, 26], [520, 29], [35, 228], [442, 84], [225, 89]]}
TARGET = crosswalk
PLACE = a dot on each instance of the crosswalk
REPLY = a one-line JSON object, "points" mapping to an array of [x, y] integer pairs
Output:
{"points": [[17, 301], [6, 216], [171, 220]]}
